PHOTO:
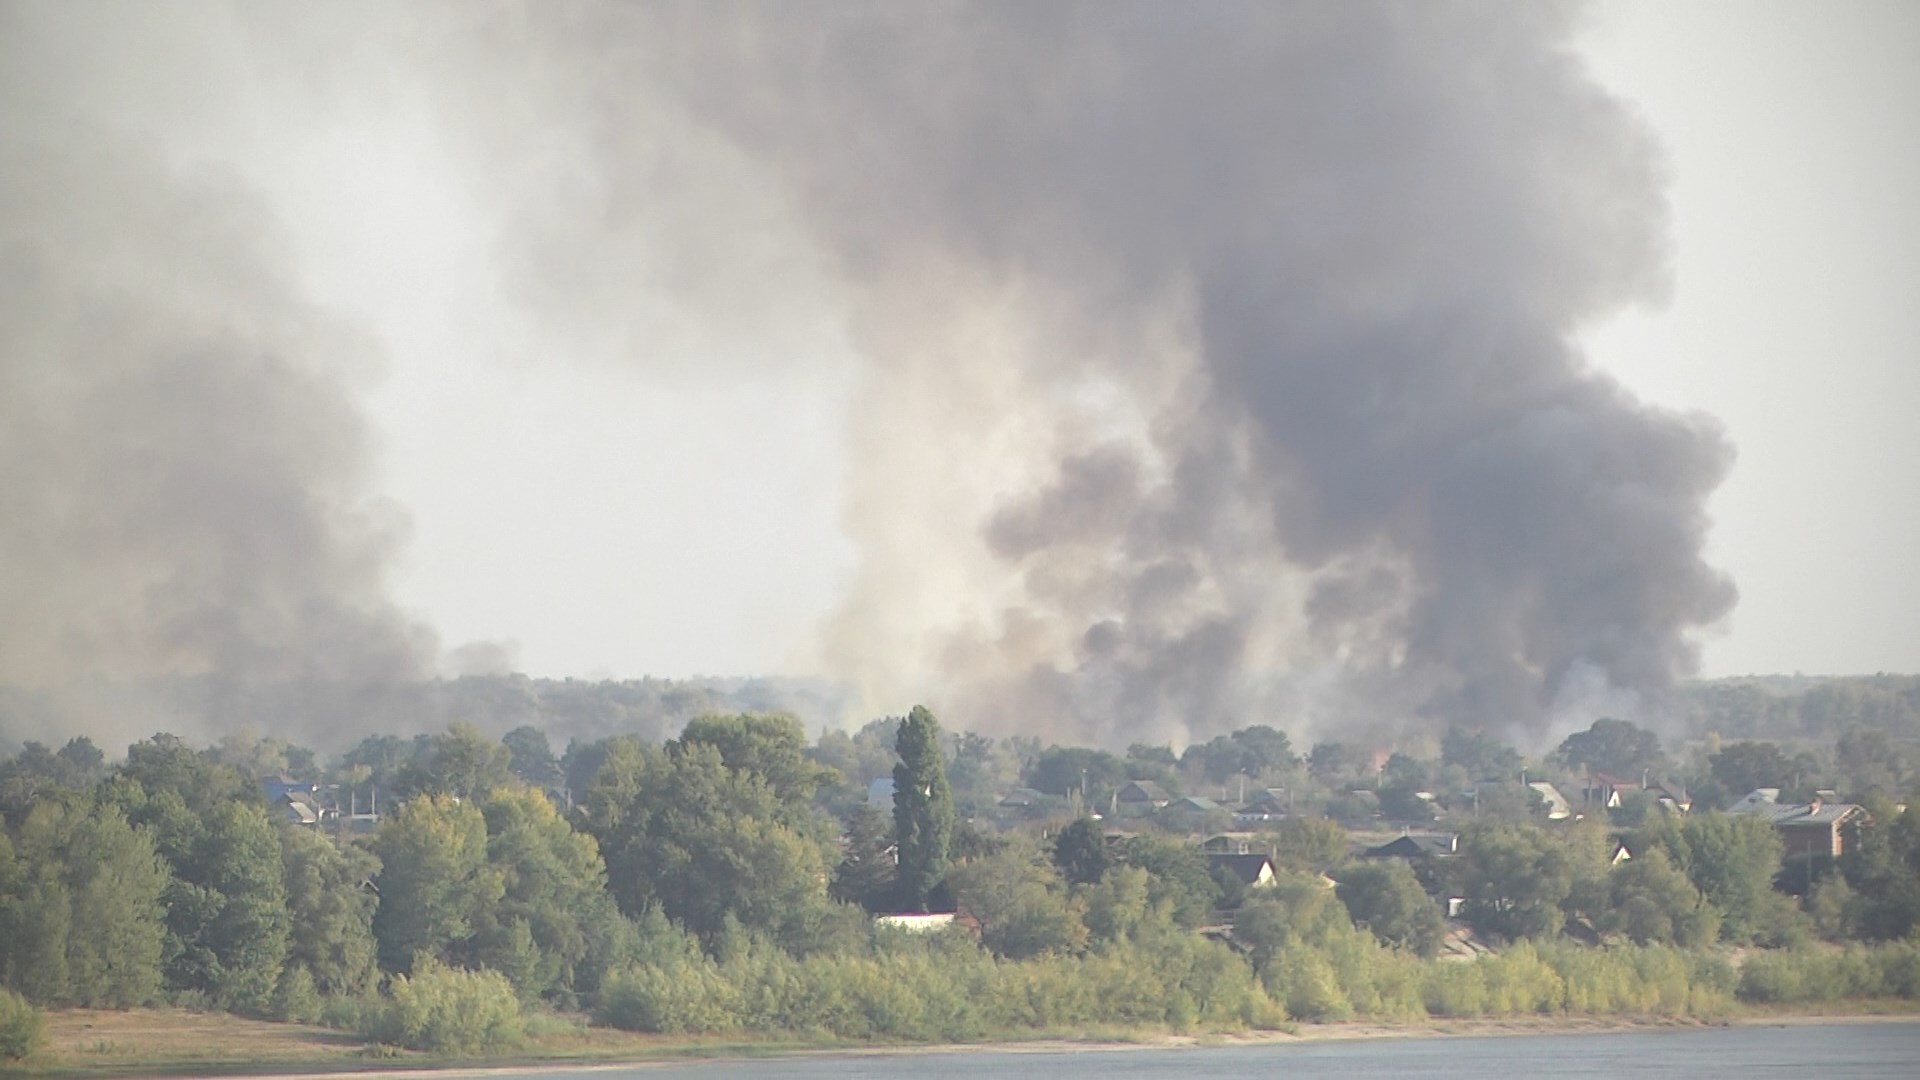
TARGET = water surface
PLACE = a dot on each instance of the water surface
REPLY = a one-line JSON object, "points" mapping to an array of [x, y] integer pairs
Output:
{"points": [[1809, 1052]]}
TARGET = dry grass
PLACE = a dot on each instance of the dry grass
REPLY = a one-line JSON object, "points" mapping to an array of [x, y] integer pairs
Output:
{"points": [[146, 1040]]}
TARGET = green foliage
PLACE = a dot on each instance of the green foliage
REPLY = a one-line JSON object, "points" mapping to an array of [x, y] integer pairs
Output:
{"points": [[530, 757], [1063, 770], [435, 882], [1021, 902], [1384, 897], [1612, 746], [1482, 756], [707, 843], [1309, 845], [448, 1010], [22, 1029], [1514, 879], [1178, 877], [1803, 975], [941, 988], [227, 913], [80, 904], [1743, 766], [1732, 861], [1653, 903], [866, 875], [330, 905], [922, 808], [554, 908], [1251, 751], [770, 746], [460, 762], [1080, 852], [294, 997]]}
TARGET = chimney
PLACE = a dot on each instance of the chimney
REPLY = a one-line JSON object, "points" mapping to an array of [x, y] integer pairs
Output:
{"points": [[1814, 806]]}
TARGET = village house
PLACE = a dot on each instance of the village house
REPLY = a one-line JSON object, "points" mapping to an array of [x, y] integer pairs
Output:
{"points": [[1818, 828], [1139, 798], [1558, 808], [1411, 847], [1254, 871]]}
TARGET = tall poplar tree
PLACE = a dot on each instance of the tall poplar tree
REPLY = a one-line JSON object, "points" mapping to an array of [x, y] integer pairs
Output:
{"points": [[922, 808]]}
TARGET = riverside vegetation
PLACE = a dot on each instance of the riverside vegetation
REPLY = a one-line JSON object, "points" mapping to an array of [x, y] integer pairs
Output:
{"points": [[722, 883]]}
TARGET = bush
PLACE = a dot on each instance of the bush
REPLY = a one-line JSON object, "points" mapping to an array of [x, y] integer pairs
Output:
{"points": [[449, 1010], [22, 1028]]}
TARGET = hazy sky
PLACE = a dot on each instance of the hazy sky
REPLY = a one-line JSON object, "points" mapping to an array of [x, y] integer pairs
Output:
{"points": [[1794, 136], [596, 517]]}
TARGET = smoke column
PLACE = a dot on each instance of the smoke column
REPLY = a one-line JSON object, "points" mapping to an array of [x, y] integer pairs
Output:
{"points": [[1214, 363], [1218, 359], [183, 463]]}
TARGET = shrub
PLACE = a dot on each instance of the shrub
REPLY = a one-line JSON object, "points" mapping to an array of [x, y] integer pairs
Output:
{"points": [[22, 1028], [449, 1010]]}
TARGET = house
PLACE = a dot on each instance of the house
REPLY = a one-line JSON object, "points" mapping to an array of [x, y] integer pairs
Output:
{"points": [[1023, 798], [1671, 796], [1192, 809], [1620, 854], [1231, 843], [1139, 798], [1558, 808], [1272, 801], [1254, 871], [1604, 790], [297, 802], [1410, 847], [1759, 800], [1807, 829]]}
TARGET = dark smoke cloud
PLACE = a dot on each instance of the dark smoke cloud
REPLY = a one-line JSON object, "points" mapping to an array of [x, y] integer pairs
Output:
{"points": [[1216, 362], [183, 463], [1285, 292]]}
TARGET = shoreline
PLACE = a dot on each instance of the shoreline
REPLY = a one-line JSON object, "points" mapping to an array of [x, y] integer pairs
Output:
{"points": [[665, 1053]]}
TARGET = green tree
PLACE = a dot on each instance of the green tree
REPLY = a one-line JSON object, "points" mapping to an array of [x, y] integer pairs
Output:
{"points": [[1309, 845], [922, 808], [1514, 879], [1177, 877], [1482, 756], [1384, 897], [770, 746], [1618, 747], [866, 874], [709, 845], [1080, 851], [1654, 903], [227, 911], [330, 904], [460, 762], [1743, 766], [554, 911], [1732, 860], [89, 909], [435, 882], [1023, 905], [530, 757]]}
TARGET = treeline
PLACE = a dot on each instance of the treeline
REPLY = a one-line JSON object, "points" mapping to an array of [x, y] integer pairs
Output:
{"points": [[723, 881]]}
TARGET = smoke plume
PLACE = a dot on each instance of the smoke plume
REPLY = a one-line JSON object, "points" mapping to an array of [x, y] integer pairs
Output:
{"points": [[1215, 364], [183, 462], [1218, 360]]}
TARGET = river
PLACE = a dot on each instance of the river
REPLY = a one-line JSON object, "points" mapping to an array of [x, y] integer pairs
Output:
{"points": [[1804, 1051]]}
